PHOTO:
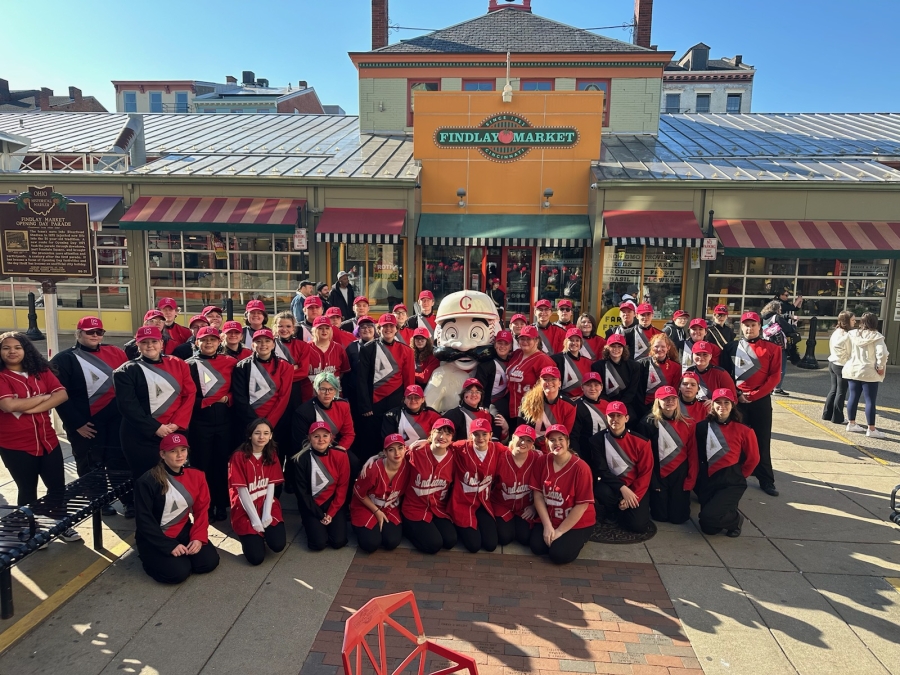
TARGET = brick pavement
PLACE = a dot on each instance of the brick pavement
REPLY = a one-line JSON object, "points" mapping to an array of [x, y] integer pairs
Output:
{"points": [[521, 614]]}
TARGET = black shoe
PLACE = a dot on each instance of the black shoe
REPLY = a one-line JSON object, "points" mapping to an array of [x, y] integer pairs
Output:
{"points": [[220, 514], [769, 489], [840, 421], [781, 392], [109, 510], [129, 511], [736, 532]]}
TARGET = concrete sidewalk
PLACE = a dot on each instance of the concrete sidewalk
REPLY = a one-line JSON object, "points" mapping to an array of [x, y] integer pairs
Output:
{"points": [[810, 587]]}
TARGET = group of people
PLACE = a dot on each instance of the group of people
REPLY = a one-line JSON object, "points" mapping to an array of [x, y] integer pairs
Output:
{"points": [[556, 429]]}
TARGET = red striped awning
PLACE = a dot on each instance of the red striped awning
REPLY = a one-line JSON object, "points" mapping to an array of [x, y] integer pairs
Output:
{"points": [[232, 214], [653, 228], [361, 226], [808, 238]]}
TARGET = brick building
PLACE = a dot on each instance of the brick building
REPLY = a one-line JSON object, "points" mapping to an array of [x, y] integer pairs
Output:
{"points": [[25, 100]]}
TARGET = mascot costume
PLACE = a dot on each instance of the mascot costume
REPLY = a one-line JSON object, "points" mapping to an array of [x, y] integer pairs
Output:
{"points": [[467, 323]]}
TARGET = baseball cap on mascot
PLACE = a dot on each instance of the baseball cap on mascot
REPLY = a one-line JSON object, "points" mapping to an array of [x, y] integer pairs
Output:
{"points": [[470, 335]]}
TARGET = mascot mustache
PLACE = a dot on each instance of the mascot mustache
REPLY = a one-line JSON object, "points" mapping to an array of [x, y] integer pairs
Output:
{"points": [[481, 353]]}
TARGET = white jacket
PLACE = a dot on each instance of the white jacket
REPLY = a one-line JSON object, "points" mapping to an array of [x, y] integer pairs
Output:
{"points": [[839, 346], [867, 352]]}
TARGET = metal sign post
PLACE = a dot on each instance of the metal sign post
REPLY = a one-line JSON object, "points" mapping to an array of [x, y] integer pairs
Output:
{"points": [[51, 322]]}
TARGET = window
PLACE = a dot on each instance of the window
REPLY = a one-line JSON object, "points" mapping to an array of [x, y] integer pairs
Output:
{"points": [[130, 99], [561, 276], [673, 103], [537, 85], [264, 110], [651, 274], [414, 86], [733, 103], [376, 271], [181, 102], [156, 105], [702, 103], [597, 85], [237, 110], [443, 268], [478, 85]]}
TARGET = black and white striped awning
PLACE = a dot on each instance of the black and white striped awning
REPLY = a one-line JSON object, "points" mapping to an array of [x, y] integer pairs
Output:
{"points": [[501, 241], [345, 238], [658, 241]]}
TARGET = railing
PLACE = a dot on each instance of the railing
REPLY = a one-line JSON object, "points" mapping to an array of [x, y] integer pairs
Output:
{"points": [[91, 162]]}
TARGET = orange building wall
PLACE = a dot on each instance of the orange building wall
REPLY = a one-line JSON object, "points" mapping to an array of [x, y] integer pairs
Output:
{"points": [[516, 187]]}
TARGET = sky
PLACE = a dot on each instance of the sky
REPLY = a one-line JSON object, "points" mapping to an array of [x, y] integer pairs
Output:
{"points": [[810, 55]]}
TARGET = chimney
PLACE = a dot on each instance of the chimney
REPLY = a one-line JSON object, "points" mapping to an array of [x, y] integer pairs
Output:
{"points": [[44, 99], [230, 79], [75, 93], [302, 84], [643, 18], [4, 91], [379, 24], [738, 59]]}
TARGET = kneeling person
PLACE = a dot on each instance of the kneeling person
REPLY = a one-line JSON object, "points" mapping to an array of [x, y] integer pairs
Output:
{"points": [[375, 504]]}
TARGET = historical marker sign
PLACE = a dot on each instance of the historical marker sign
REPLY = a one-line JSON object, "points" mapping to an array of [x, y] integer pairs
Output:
{"points": [[44, 235]]}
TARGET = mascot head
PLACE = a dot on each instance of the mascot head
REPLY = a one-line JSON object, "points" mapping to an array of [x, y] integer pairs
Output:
{"points": [[467, 323]]}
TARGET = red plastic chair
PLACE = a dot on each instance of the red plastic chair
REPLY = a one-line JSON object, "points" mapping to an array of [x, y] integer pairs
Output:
{"points": [[377, 612]]}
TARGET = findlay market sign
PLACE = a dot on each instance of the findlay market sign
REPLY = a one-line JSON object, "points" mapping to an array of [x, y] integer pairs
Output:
{"points": [[505, 137]]}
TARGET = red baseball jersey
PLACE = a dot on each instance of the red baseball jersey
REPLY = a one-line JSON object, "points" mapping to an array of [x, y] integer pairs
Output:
{"points": [[249, 472], [512, 486], [523, 372], [473, 480], [342, 337], [31, 433], [563, 490], [384, 491], [428, 485], [332, 360]]}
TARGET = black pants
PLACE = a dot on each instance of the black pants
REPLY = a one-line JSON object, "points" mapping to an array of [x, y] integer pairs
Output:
{"points": [[25, 470], [254, 545], [719, 508], [563, 550], [669, 501], [369, 440], [834, 402], [482, 537], [514, 529], [758, 416], [430, 537], [284, 430], [607, 498], [104, 450], [169, 569], [211, 446], [370, 539], [141, 452], [318, 536]]}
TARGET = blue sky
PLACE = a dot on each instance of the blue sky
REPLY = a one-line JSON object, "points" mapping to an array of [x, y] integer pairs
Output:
{"points": [[811, 55]]}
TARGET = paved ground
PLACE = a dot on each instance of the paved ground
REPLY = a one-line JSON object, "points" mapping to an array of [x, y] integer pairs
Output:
{"points": [[810, 587]]}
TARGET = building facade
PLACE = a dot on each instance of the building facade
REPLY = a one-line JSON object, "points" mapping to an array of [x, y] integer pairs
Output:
{"points": [[697, 84]]}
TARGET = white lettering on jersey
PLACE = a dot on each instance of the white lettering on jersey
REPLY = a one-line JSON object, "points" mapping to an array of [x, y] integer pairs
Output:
{"points": [[430, 486], [472, 483]]}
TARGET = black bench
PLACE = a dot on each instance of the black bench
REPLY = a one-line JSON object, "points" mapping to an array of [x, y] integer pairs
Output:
{"points": [[26, 528]]}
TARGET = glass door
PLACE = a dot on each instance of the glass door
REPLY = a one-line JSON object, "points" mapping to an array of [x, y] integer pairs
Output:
{"points": [[519, 266]]}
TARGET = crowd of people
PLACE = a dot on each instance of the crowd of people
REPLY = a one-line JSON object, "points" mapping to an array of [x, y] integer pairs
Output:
{"points": [[558, 428]]}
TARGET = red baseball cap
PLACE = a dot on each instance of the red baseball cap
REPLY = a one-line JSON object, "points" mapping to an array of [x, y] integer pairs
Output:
{"points": [[89, 323], [255, 305], [360, 298], [443, 422], [414, 390], [591, 376], [147, 333], [543, 304], [322, 321], [230, 326], [167, 302], [387, 320], [518, 317], [390, 439], [472, 382], [421, 332], [172, 441], [525, 430], [504, 336], [550, 371], [480, 424], [365, 319], [720, 309], [557, 429], [574, 332], [208, 331], [645, 308], [397, 308], [680, 313], [211, 308], [154, 314], [702, 347], [724, 392], [426, 294], [628, 304], [334, 311], [616, 339], [616, 407], [263, 333], [663, 392], [690, 375], [316, 426], [750, 316], [564, 303], [528, 332], [198, 317], [697, 322], [312, 301]]}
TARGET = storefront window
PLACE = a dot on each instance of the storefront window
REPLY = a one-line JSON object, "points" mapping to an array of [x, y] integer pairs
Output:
{"points": [[651, 274], [376, 271], [561, 275], [442, 270]]}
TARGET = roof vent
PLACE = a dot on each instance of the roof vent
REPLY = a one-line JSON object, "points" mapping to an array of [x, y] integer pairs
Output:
{"points": [[249, 77]]}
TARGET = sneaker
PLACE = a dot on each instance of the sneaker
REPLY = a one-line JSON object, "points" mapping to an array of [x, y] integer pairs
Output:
{"points": [[874, 433], [70, 535], [781, 392], [854, 428], [109, 510]]}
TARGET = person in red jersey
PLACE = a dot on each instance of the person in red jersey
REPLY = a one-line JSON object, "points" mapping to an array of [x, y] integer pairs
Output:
{"points": [[404, 332], [688, 392], [294, 351], [412, 420], [210, 432], [590, 415], [525, 368], [342, 337], [622, 463], [755, 366], [511, 495], [423, 351], [375, 503], [187, 349], [470, 409], [426, 317], [155, 395], [572, 365], [544, 406], [516, 324], [321, 476], [645, 321], [312, 310], [155, 319], [673, 440], [566, 314], [591, 344], [561, 486], [475, 465], [493, 376], [728, 454], [253, 473], [425, 507], [232, 341], [213, 314], [709, 376], [621, 374], [696, 333], [660, 368], [386, 369], [550, 336], [255, 317], [170, 544], [325, 354], [177, 333]]}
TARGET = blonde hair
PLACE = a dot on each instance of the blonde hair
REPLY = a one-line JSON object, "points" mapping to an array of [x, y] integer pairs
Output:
{"points": [[532, 406], [161, 476], [656, 414]]}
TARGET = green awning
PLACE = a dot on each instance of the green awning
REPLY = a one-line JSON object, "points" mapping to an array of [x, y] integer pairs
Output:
{"points": [[462, 229]]}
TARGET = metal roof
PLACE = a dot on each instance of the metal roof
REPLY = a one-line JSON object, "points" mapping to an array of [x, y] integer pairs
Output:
{"points": [[836, 147], [251, 144]]}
